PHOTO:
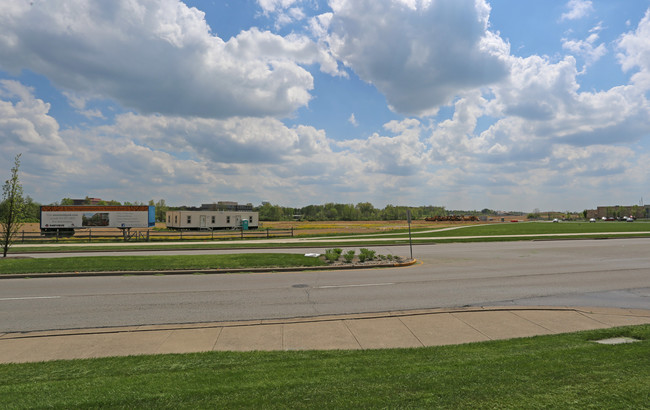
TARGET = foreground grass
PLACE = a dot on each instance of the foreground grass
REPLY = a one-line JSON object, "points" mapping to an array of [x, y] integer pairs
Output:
{"points": [[163, 262], [561, 371]]}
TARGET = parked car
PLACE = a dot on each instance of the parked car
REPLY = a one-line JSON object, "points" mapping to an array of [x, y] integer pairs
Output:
{"points": [[556, 220], [592, 220]]}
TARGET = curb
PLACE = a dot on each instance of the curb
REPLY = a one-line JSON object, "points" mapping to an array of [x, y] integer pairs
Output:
{"points": [[202, 271]]}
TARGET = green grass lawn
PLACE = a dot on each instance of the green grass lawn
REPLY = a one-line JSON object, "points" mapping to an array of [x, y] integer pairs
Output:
{"points": [[535, 228], [162, 262], [559, 371]]}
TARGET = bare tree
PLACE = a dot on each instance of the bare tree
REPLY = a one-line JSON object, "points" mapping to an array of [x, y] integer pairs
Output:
{"points": [[11, 208]]}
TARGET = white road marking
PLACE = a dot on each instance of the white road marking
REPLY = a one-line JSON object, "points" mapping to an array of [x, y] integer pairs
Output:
{"points": [[32, 297], [354, 286]]}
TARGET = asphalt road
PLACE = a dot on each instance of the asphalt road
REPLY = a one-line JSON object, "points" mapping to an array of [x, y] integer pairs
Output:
{"points": [[613, 273]]}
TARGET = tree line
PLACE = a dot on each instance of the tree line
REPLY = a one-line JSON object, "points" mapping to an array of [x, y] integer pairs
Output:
{"points": [[363, 211]]}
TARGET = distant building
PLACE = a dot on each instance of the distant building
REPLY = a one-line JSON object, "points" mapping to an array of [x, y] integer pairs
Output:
{"points": [[86, 201], [226, 206], [616, 211]]}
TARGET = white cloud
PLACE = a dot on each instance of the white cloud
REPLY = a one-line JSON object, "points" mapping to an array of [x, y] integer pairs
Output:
{"points": [[285, 12], [353, 120], [231, 141], [158, 56], [587, 48], [400, 155], [418, 54], [79, 104], [635, 52], [25, 124], [577, 9], [272, 6]]}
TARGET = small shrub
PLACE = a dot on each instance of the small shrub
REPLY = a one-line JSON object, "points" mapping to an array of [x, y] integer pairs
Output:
{"points": [[349, 256], [367, 254], [331, 255], [389, 257], [338, 251]]}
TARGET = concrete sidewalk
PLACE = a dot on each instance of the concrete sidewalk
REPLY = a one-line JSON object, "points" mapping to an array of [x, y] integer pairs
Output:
{"points": [[431, 327]]}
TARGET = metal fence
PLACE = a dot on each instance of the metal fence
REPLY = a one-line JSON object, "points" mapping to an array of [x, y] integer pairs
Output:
{"points": [[104, 235]]}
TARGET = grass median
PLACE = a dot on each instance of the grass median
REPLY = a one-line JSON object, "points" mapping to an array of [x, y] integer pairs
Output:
{"points": [[559, 371], [155, 263]]}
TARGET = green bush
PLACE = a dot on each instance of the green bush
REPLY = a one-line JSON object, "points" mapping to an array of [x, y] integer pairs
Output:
{"points": [[349, 256], [332, 255], [366, 254]]}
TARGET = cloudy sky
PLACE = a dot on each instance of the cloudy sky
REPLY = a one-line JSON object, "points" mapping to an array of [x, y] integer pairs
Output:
{"points": [[467, 104]]}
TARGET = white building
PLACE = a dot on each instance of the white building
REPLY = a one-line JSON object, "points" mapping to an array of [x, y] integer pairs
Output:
{"points": [[204, 219]]}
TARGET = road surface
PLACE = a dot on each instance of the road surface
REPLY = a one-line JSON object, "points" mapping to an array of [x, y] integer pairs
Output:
{"points": [[613, 273]]}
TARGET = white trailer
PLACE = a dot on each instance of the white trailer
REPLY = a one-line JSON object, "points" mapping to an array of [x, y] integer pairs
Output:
{"points": [[211, 220], [71, 217]]}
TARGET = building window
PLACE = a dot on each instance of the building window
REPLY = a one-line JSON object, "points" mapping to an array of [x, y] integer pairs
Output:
{"points": [[175, 219], [214, 219], [227, 219], [250, 219], [189, 219]]}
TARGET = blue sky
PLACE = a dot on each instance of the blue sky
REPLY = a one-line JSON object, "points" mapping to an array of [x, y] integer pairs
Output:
{"points": [[467, 104]]}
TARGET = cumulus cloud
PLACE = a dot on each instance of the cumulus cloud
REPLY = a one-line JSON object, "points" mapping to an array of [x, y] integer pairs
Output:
{"points": [[399, 155], [234, 140], [158, 56], [418, 54], [542, 99], [635, 52], [25, 123], [577, 9]]}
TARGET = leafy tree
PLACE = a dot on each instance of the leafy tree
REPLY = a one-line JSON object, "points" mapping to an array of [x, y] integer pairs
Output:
{"points": [[11, 208], [367, 211], [161, 210], [32, 210]]}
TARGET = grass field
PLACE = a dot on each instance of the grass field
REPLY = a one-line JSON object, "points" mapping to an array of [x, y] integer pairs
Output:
{"points": [[396, 234], [560, 371], [153, 263], [537, 228]]}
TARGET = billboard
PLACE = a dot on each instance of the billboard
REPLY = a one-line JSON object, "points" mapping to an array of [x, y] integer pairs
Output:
{"points": [[88, 216]]}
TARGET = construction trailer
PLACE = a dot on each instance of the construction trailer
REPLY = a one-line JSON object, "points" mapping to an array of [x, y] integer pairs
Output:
{"points": [[210, 220], [68, 218]]}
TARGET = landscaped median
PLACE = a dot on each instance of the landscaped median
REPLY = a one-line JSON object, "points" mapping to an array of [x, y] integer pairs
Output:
{"points": [[176, 264]]}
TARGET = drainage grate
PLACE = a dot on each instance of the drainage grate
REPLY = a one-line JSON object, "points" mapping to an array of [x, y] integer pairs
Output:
{"points": [[300, 285], [617, 341]]}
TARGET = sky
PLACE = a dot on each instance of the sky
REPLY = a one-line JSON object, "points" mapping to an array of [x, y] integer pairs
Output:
{"points": [[466, 104]]}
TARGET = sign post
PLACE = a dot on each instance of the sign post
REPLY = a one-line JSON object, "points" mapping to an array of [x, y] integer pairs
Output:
{"points": [[408, 218]]}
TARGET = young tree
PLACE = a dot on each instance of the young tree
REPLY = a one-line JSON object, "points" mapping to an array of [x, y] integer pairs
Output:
{"points": [[11, 208]]}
